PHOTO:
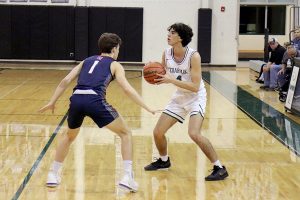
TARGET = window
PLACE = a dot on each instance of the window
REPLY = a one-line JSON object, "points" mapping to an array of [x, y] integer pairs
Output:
{"points": [[252, 19], [276, 20]]}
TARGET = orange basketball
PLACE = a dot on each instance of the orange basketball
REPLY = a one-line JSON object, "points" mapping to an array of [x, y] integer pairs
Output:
{"points": [[151, 70]]}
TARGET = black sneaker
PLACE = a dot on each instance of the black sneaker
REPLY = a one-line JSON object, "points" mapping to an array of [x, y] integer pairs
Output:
{"points": [[259, 81], [217, 174], [158, 164], [264, 87]]}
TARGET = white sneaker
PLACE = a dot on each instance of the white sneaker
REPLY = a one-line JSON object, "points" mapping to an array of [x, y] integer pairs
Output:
{"points": [[129, 183], [53, 179]]}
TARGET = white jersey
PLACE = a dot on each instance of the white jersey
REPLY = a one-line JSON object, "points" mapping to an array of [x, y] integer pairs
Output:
{"points": [[184, 101], [180, 71]]}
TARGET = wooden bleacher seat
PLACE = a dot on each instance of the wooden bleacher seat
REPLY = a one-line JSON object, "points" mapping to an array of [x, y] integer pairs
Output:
{"points": [[251, 54], [256, 64]]}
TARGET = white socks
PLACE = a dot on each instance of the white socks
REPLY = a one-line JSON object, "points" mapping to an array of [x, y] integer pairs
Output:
{"points": [[55, 167], [127, 166], [164, 158], [218, 163]]}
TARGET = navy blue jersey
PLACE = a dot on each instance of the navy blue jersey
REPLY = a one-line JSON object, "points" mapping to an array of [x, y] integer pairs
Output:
{"points": [[95, 74]]}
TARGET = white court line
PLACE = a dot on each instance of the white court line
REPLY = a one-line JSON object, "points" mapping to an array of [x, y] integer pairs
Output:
{"points": [[10, 91]]}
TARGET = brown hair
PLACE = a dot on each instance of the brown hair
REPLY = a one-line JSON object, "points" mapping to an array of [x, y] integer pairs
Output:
{"points": [[184, 31], [108, 41]]}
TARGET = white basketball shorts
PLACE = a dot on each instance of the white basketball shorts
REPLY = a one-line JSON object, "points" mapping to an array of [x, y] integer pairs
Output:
{"points": [[183, 103]]}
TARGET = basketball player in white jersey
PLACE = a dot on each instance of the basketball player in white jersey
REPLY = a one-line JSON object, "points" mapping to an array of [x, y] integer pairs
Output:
{"points": [[183, 66]]}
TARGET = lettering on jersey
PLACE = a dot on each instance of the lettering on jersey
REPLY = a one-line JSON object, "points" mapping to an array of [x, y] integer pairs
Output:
{"points": [[177, 70], [178, 78]]}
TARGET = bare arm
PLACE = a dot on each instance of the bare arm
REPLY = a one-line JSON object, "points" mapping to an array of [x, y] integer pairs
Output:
{"points": [[62, 86], [163, 60], [195, 76], [282, 70], [118, 70]]}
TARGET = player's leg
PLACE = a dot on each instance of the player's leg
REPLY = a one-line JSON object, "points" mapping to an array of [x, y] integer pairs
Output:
{"points": [[119, 127], [63, 146], [75, 119], [62, 150], [163, 124], [194, 130], [104, 115]]}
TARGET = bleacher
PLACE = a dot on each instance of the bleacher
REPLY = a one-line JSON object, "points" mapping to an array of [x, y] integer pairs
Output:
{"points": [[256, 64], [250, 54]]}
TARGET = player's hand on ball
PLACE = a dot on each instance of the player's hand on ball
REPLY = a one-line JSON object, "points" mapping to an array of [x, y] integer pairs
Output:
{"points": [[163, 79]]}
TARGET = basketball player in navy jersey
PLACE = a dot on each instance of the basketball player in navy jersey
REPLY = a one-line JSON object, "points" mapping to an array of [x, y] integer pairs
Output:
{"points": [[183, 66], [89, 99]]}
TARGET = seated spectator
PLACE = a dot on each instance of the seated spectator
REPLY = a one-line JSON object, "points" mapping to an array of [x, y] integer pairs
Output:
{"points": [[284, 75], [296, 40], [270, 70]]}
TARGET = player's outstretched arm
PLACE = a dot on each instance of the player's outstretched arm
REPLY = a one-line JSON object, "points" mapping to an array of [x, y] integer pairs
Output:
{"points": [[118, 70], [62, 86]]}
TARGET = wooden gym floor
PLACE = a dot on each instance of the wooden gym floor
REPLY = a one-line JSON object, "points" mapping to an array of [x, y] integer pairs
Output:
{"points": [[254, 137]]}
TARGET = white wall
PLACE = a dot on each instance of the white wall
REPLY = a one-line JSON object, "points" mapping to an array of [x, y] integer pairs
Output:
{"points": [[224, 32], [160, 14]]}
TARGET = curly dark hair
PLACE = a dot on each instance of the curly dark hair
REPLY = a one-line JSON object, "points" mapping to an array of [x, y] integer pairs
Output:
{"points": [[184, 31], [108, 41]]}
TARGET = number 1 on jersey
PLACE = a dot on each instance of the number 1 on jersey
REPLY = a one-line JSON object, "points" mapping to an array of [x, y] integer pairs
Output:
{"points": [[93, 67]]}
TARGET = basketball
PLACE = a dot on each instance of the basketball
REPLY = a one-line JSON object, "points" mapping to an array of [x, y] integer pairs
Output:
{"points": [[151, 70]]}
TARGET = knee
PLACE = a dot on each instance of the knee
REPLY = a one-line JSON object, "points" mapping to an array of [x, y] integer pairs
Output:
{"points": [[125, 133], [71, 134], [157, 133], [195, 136], [70, 137], [265, 69]]}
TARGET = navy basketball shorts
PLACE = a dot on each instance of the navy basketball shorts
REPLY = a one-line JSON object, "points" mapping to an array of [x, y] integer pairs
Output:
{"points": [[90, 105]]}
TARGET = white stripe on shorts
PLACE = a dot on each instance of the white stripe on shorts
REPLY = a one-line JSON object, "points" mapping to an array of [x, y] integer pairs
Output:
{"points": [[174, 115], [89, 91]]}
